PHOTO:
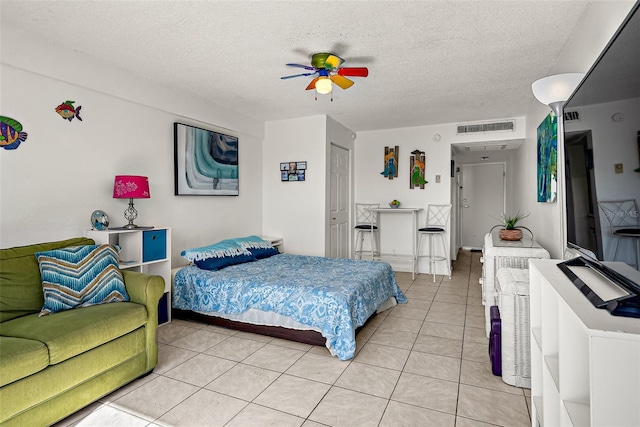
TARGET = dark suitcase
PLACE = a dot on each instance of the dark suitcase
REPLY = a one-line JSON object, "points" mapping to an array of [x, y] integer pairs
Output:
{"points": [[495, 347]]}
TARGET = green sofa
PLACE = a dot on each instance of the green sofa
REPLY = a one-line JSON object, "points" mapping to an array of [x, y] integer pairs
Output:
{"points": [[53, 365]]}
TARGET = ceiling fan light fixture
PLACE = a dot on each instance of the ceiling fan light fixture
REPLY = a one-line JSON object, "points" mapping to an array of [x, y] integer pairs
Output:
{"points": [[324, 85], [329, 70]]}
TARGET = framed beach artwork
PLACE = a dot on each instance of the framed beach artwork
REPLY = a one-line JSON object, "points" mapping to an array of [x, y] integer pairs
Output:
{"points": [[548, 160], [390, 162], [205, 162], [417, 168]]}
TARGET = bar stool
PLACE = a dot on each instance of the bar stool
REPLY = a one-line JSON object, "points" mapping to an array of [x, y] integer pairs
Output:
{"points": [[437, 223], [624, 222], [366, 225]]}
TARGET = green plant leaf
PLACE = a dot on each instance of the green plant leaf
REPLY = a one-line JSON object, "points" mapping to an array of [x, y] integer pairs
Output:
{"points": [[509, 222]]}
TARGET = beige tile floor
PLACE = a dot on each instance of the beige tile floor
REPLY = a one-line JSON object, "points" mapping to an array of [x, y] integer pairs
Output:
{"points": [[420, 364]]}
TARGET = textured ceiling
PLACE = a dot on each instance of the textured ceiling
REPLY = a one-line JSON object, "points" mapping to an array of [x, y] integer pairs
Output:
{"points": [[429, 62]]}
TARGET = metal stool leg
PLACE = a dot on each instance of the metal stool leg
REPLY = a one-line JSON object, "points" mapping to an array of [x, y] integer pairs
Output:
{"points": [[431, 256], [372, 243], [615, 254], [446, 253], [358, 246]]}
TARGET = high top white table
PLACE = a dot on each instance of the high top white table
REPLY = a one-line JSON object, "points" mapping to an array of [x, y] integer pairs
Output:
{"points": [[414, 224]]}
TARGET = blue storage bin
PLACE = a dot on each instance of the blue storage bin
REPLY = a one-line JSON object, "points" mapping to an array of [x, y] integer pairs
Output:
{"points": [[154, 245], [163, 309]]}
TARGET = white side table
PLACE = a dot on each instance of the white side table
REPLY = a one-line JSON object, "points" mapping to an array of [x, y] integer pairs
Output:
{"points": [[498, 253], [276, 242]]}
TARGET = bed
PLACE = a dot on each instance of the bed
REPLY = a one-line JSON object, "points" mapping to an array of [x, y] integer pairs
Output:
{"points": [[323, 299]]}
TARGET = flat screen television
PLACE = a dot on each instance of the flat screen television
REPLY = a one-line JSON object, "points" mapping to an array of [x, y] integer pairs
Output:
{"points": [[602, 174], [602, 149]]}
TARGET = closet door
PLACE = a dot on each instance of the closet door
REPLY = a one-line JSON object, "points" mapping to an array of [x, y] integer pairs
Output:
{"points": [[339, 203]]}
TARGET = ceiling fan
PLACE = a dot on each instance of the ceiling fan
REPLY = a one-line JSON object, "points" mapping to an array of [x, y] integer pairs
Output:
{"points": [[327, 67]]}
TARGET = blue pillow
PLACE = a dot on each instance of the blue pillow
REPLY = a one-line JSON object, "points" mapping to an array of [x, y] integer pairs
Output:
{"points": [[258, 247], [220, 263], [80, 276], [219, 255]]}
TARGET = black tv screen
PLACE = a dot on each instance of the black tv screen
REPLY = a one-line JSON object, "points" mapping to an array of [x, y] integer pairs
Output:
{"points": [[602, 150]]}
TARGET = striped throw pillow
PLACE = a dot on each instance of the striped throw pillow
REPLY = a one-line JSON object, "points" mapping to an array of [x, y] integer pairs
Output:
{"points": [[80, 276]]}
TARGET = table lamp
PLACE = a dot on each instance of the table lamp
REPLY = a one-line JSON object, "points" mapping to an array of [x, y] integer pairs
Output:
{"points": [[131, 187]]}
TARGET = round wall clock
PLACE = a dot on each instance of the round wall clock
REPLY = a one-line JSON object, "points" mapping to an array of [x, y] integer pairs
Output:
{"points": [[99, 220]]}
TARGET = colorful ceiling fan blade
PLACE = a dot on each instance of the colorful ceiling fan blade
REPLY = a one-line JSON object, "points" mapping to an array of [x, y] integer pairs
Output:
{"points": [[297, 75], [306, 67], [343, 82], [333, 61], [312, 85], [354, 71]]}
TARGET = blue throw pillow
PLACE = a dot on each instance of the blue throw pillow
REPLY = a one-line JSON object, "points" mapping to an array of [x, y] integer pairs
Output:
{"points": [[219, 255], [80, 276], [222, 262], [258, 247]]}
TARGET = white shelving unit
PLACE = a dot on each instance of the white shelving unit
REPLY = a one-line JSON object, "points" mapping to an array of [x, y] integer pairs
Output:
{"points": [[585, 362], [147, 251]]}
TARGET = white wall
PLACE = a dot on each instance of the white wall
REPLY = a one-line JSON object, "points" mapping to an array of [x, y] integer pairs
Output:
{"points": [[295, 211], [372, 187], [65, 170], [299, 211], [590, 37]]}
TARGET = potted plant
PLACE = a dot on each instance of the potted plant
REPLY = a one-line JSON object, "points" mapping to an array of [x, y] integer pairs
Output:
{"points": [[395, 204], [509, 230]]}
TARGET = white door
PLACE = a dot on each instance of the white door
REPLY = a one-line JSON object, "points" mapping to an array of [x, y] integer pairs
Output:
{"points": [[339, 204], [482, 199]]}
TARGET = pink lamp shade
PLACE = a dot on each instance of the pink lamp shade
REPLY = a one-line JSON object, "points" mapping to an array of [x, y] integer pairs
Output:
{"points": [[131, 187]]}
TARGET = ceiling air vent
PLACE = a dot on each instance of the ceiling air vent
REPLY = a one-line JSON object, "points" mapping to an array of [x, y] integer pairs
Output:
{"points": [[507, 125], [571, 116], [485, 147]]}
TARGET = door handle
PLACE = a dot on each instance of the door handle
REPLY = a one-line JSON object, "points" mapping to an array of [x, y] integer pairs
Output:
{"points": [[465, 206]]}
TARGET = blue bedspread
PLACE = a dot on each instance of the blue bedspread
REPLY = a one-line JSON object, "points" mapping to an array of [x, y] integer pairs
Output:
{"points": [[332, 294]]}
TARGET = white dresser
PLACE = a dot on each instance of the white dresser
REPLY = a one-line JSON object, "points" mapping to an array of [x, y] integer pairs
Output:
{"points": [[498, 253], [585, 362]]}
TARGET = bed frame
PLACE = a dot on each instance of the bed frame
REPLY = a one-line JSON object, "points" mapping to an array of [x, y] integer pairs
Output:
{"points": [[306, 337]]}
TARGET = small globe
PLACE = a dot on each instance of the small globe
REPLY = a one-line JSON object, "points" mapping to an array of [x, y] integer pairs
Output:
{"points": [[99, 220]]}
